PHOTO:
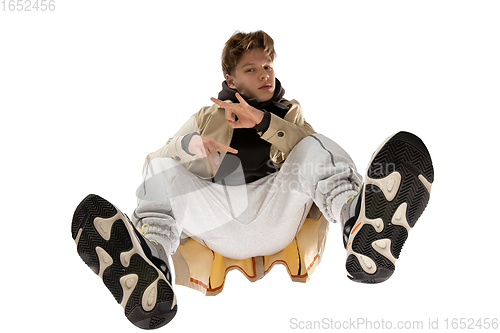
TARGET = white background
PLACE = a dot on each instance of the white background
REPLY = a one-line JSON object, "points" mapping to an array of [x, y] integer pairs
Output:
{"points": [[88, 90]]}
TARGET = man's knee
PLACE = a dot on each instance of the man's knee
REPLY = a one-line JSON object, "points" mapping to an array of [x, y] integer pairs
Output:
{"points": [[312, 150]]}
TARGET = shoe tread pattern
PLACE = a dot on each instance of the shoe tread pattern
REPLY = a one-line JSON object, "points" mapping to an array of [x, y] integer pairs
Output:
{"points": [[119, 242], [406, 154]]}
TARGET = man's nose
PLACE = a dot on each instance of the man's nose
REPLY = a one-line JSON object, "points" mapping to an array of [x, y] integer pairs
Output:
{"points": [[263, 74]]}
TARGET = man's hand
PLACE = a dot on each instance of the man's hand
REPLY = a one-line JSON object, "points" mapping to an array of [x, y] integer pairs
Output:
{"points": [[248, 116], [207, 147]]}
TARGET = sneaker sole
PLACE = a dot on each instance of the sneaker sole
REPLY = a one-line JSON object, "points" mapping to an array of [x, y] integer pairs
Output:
{"points": [[396, 192], [107, 243]]}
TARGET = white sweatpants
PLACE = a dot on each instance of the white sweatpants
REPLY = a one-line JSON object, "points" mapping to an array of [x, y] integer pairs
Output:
{"points": [[254, 219]]}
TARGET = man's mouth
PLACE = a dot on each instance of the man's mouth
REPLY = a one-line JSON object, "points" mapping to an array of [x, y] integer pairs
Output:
{"points": [[266, 86]]}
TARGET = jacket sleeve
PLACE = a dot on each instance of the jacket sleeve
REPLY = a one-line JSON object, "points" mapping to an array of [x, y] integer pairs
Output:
{"points": [[285, 133], [173, 147]]}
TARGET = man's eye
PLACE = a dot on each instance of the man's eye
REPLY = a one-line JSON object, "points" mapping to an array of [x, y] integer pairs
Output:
{"points": [[249, 70]]}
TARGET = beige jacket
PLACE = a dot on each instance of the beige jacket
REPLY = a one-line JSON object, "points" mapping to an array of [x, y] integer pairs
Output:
{"points": [[210, 122], [204, 270]]}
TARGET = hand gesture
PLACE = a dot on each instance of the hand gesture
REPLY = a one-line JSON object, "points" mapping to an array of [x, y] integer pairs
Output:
{"points": [[207, 147], [248, 116]]}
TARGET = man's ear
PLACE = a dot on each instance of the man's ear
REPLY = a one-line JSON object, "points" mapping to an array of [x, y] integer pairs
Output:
{"points": [[230, 81]]}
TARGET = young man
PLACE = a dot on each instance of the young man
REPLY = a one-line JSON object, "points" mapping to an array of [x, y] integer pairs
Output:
{"points": [[249, 179]]}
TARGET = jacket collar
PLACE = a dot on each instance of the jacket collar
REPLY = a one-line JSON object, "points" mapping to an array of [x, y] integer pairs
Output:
{"points": [[230, 94]]}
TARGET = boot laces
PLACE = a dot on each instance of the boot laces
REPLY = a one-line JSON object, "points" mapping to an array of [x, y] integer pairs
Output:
{"points": [[353, 196], [144, 232]]}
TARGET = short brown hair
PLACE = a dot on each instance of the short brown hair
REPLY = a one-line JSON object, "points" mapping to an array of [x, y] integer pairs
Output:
{"points": [[241, 42]]}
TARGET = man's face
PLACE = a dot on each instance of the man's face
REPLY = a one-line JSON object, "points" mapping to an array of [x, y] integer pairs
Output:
{"points": [[253, 76]]}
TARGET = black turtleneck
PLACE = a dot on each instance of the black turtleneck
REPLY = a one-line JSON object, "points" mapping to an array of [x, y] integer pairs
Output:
{"points": [[253, 152]]}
